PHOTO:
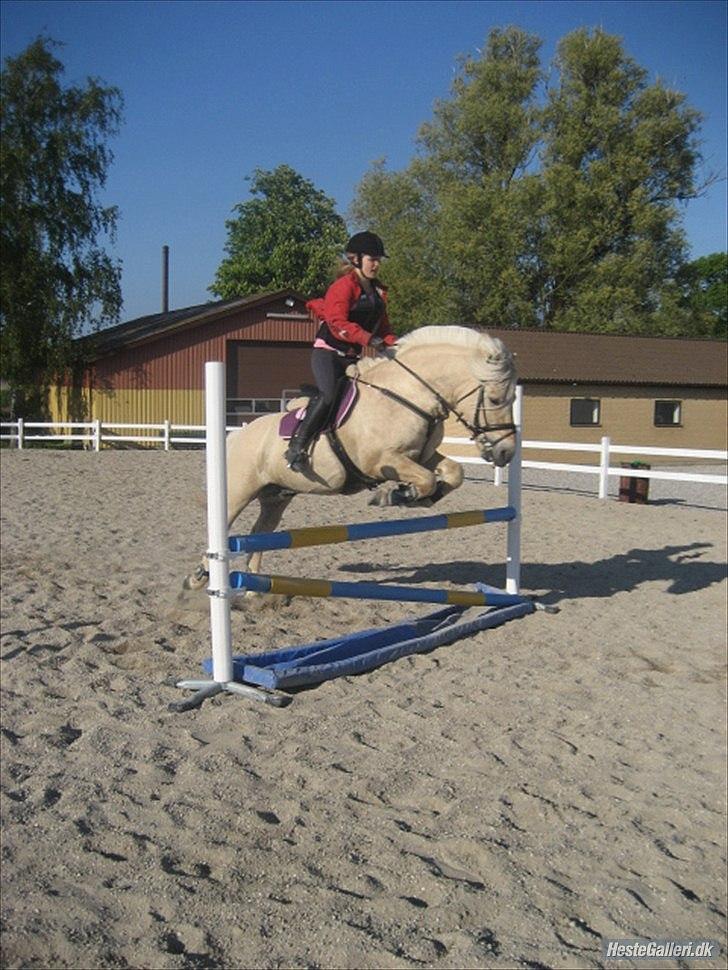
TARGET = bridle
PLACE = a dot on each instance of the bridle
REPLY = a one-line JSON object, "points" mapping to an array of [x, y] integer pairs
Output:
{"points": [[481, 430], [478, 428]]}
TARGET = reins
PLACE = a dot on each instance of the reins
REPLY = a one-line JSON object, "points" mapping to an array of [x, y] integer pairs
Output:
{"points": [[431, 419], [475, 428]]}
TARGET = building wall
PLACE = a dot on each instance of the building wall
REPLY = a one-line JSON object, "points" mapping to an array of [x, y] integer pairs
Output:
{"points": [[164, 378], [627, 415]]}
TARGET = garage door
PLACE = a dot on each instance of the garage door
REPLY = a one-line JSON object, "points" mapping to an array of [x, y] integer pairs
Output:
{"points": [[265, 370]]}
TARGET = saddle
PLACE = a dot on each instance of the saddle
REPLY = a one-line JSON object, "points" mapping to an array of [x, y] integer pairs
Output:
{"points": [[291, 419]]}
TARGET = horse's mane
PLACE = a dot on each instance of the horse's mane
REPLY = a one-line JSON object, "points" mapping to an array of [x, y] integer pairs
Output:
{"points": [[490, 359]]}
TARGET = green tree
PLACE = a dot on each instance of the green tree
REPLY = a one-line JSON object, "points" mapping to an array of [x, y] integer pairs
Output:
{"points": [[458, 221], [56, 278], [557, 209], [287, 235], [703, 286], [619, 156], [477, 153]]}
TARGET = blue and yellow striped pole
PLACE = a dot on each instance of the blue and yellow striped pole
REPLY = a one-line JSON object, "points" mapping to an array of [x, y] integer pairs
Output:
{"points": [[292, 586], [330, 534]]}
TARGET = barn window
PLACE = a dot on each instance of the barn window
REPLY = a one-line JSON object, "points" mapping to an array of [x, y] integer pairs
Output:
{"points": [[668, 414], [585, 411]]}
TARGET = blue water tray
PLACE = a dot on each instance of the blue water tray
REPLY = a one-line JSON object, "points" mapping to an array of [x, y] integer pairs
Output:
{"points": [[357, 653]]}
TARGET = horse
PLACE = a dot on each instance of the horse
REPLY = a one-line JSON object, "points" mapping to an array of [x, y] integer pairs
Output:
{"points": [[390, 440]]}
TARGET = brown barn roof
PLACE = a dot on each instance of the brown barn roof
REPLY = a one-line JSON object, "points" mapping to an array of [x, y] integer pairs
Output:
{"points": [[594, 358], [160, 324], [542, 355]]}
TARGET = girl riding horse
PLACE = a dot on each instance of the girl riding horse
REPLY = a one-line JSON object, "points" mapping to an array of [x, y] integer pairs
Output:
{"points": [[354, 315]]}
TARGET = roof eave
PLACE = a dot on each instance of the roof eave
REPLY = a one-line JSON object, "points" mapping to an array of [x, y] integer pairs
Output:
{"points": [[626, 382], [206, 316]]}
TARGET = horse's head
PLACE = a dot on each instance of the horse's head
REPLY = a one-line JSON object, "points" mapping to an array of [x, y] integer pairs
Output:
{"points": [[492, 424], [477, 375]]}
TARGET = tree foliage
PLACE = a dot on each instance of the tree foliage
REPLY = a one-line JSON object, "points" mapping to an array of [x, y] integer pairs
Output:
{"points": [[287, 235], [542, 201], [619, 156], [703, 286], [56, 278]]}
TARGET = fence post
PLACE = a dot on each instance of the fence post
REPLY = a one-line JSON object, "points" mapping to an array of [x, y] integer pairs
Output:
{"points": [[513, 545], [604, 468], [97, 434], [21, 431], [167, 430]]}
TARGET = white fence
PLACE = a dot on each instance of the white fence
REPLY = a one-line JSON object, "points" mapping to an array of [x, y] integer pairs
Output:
{"points": [[96, 433], [604, 469]]}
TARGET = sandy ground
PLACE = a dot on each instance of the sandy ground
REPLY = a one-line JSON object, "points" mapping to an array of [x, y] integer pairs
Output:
{"points": [[506, 801]]}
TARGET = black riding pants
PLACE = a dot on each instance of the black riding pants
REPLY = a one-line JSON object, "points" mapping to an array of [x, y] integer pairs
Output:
{"points": [[328, 369]]}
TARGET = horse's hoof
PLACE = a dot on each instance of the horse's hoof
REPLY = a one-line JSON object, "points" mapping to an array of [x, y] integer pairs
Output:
{"points": [[403, 495], [196, 580], [380, 496]]}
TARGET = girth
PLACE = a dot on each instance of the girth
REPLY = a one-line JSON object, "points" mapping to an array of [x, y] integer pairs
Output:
{"points": [[356, 479]]}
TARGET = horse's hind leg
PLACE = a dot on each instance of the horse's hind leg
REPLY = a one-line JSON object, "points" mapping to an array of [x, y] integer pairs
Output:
{"points": [[273, 503]]}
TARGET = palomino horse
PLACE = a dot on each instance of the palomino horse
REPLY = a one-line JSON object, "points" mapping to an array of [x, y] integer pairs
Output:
{"points": [[391, 437]]}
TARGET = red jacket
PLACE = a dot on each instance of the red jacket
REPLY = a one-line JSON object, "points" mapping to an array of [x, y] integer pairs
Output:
{"points": [[334, 309]]}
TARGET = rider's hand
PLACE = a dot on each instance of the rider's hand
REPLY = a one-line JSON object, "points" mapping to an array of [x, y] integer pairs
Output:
{"points": [[376, 343]]}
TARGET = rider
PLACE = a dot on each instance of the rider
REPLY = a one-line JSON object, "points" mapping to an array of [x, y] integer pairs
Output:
{"points": [[354, 315]]}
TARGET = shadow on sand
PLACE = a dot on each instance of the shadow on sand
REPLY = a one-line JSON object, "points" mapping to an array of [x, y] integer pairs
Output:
{"points": [[685, 569]]}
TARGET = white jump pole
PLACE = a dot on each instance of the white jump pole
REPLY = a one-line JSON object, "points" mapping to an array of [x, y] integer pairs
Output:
{"points": [[218, 555], [217, 526], [513, 546]]}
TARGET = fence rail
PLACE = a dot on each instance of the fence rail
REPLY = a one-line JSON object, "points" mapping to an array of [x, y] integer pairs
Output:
{"points": [[605, 449], [96, 433]]}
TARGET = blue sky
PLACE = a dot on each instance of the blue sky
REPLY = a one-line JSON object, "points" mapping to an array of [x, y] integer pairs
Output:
{"points": [[214, 90]]}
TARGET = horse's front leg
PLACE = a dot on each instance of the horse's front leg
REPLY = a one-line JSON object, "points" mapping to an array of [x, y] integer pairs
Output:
{"points": [[449, 475], [413, 482]]}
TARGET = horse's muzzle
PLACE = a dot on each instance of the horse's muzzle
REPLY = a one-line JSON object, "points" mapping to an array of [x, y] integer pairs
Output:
{"points": [[501, 457], [499, 453]]}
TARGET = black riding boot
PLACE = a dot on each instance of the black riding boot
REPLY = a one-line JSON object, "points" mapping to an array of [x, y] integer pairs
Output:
{"points": [[297, 452]]}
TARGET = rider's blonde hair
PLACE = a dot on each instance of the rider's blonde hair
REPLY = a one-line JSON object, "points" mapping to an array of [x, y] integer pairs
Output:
{"points": [[347, 266], [343, 267]]}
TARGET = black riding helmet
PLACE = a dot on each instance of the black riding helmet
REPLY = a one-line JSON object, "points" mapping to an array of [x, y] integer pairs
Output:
{"points": [[366, 244]]}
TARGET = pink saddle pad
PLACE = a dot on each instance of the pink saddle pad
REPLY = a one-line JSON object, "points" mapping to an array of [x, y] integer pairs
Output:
{"points": [[291, 419]]}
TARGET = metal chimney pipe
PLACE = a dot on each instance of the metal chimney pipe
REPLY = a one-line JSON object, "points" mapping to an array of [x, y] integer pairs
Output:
{"points": [[165, 279]]}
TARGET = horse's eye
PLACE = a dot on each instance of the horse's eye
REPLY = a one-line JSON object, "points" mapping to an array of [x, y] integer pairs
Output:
{"points": [[496, 401]]}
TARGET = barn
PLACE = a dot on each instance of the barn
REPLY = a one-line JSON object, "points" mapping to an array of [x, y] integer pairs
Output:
{"points": [[578, 386], [646, 391], [152, 368]]}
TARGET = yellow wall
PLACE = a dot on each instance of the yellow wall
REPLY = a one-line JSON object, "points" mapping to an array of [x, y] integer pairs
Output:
{"points": [[145, 407]]}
